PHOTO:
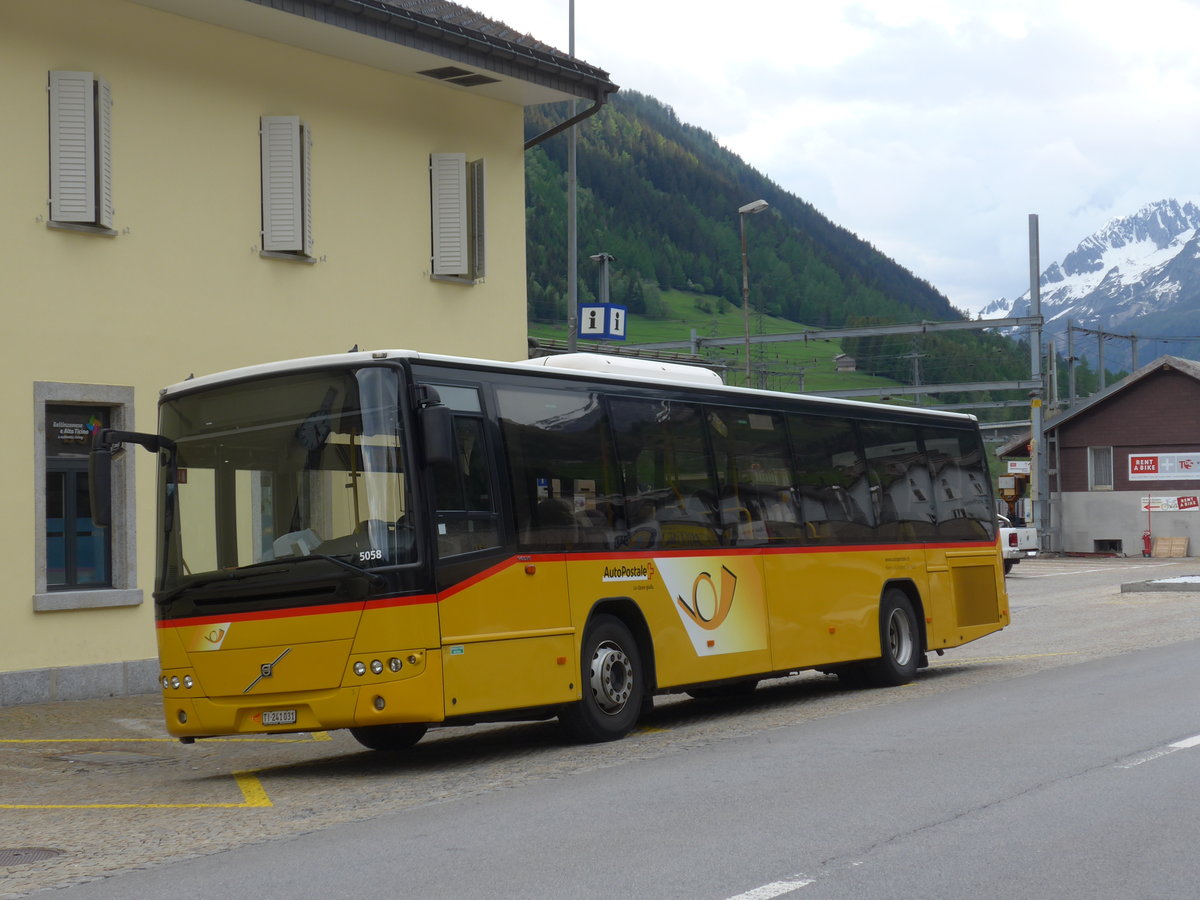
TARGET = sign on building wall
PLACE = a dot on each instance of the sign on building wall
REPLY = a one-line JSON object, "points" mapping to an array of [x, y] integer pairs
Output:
{"points": [[1171, 504], [1164, 466], [1019, 467]]}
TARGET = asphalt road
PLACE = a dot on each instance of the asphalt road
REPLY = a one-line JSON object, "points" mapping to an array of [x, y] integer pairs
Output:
{"points": [[1038, 762]]}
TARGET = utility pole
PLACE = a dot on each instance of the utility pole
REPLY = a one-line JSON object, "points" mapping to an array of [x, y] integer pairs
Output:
{"points": [[1036, 437], [1052, 370], [572, 235], [1070, 364]]}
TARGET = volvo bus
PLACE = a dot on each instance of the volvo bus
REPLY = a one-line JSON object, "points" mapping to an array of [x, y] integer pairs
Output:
{"points": [[390, 541]]}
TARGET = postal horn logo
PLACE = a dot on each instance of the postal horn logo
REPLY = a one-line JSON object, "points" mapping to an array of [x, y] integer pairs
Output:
{"points": [[710, 603]]}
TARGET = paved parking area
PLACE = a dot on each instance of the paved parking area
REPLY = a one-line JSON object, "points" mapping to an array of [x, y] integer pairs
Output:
{"points": [[89, 788]]}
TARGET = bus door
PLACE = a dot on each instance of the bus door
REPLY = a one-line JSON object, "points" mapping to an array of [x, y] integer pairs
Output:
{"points": [[505, 629]]}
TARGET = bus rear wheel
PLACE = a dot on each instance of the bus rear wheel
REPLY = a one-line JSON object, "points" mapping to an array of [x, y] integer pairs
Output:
{"points": [[389, 737], [899, 641], [613, 688]]}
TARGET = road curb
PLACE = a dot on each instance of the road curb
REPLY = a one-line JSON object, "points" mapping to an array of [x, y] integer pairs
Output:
{"points": [[1152, 586]]}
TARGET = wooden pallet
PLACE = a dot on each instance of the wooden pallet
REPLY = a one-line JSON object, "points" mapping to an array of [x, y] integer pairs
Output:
{"points": [[1172, 548]]}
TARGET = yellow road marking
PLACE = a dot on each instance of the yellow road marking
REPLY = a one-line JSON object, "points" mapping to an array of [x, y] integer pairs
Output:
{"points": [[254, 796]]}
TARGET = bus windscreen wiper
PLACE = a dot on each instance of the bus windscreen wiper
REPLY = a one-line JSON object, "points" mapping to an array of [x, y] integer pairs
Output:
{"points": [[337, 561], [199, 581], [266, 567]]}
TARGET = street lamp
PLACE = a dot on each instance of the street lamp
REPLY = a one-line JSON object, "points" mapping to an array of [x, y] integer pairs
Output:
{"points": [[604, 259], [743, 211]]}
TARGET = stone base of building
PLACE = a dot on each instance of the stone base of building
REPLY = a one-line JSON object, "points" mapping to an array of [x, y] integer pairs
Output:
{"points": [[139, 676]]}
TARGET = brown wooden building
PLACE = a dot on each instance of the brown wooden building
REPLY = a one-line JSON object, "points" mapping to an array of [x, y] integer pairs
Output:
{"points": [[1127, 461]]}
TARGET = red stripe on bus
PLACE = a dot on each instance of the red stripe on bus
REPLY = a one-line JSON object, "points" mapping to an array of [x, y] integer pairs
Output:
{"points": [[292, 612], [527, 558]]}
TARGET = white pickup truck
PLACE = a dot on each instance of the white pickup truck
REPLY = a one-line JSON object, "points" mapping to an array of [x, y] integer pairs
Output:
{"points": [[1016, 543]]}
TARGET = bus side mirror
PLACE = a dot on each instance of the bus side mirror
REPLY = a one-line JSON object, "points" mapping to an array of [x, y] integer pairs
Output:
{"points": [[107, 443], [100, 485], [437, 430]]}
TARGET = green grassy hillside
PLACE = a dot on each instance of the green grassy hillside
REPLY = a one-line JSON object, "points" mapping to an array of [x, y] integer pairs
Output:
{"points": [[685, 311]]}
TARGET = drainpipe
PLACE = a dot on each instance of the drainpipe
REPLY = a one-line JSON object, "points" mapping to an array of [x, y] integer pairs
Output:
{"points": [[563, 126]]}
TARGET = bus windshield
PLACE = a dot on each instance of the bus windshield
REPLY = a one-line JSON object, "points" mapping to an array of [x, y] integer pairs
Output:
{"points": [[283, 468]]}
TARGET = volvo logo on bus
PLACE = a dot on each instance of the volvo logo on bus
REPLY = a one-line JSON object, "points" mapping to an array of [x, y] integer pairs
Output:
{"points": [[266, 670]]}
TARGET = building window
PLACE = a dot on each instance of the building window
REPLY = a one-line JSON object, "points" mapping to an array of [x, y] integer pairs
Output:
{"points": [[286, 144], [1100, 468], [78, 553], [79, 565], [81, 151], [457, 189]]}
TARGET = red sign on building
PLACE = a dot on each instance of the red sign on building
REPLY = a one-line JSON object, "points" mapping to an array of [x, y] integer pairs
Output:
{"points": [[1143, 465]]}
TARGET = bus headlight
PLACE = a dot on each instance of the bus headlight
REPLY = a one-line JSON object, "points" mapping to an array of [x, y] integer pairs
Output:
{"points": [[376, 667], [360, 668]]}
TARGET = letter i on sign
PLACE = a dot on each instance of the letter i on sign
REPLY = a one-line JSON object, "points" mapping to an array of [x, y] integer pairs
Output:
{"points": [[617, 328]]}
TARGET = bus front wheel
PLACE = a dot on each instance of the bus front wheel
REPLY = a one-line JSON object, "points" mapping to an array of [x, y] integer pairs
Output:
{"points": [[612, 684], [389, 737]]}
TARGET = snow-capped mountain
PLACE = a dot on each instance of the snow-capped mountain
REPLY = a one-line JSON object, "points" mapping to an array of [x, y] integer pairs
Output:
{"points": [[1137, 275]]}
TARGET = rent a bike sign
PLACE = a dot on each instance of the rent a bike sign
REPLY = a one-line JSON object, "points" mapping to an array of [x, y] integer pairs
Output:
{"points": [[1164, 467]]}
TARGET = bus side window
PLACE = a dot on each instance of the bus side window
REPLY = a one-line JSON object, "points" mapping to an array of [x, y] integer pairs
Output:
{"points": [[831, 491], [755, 476], [901, 491], [561, 472], [961, 485], [670, 493], [463, 489]]}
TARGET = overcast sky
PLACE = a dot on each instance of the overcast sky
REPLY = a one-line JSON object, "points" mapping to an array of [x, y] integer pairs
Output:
{"points": [[930, 128]]}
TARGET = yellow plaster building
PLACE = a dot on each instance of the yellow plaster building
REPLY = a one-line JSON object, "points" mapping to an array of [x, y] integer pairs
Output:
{"points": [[194, 185]]}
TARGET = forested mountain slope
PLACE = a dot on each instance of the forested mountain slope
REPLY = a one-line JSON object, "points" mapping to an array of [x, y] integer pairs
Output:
{"points": [[662, 197]]}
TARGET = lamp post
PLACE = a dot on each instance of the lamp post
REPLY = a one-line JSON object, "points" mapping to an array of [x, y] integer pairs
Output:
{"points": [[743, 211]]}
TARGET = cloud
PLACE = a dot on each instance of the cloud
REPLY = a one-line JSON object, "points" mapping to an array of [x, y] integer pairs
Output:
{"points": [[930, 128]]}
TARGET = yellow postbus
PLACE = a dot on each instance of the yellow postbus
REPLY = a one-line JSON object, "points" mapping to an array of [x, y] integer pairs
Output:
{"points": [[389, 541]]}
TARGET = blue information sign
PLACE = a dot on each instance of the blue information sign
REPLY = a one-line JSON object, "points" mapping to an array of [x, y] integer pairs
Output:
{"points": [[602, 321]]}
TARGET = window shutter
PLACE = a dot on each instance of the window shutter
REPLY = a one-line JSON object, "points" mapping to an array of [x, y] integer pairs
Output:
{"points": [[448, 191], [72, 147], [475, 182], [306, 143], [104, 192], [282, 182]]}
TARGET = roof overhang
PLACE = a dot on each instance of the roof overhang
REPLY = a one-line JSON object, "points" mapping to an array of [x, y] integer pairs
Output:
{"points": [[375, 34], [1165, 363]]}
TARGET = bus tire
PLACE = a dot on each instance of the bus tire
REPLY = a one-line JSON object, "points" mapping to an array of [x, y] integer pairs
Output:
{"points": [[612, 684], [389, 737], [899, 640]]}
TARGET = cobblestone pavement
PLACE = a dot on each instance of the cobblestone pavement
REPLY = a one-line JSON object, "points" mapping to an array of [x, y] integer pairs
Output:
{"points": [[91, 788]]}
